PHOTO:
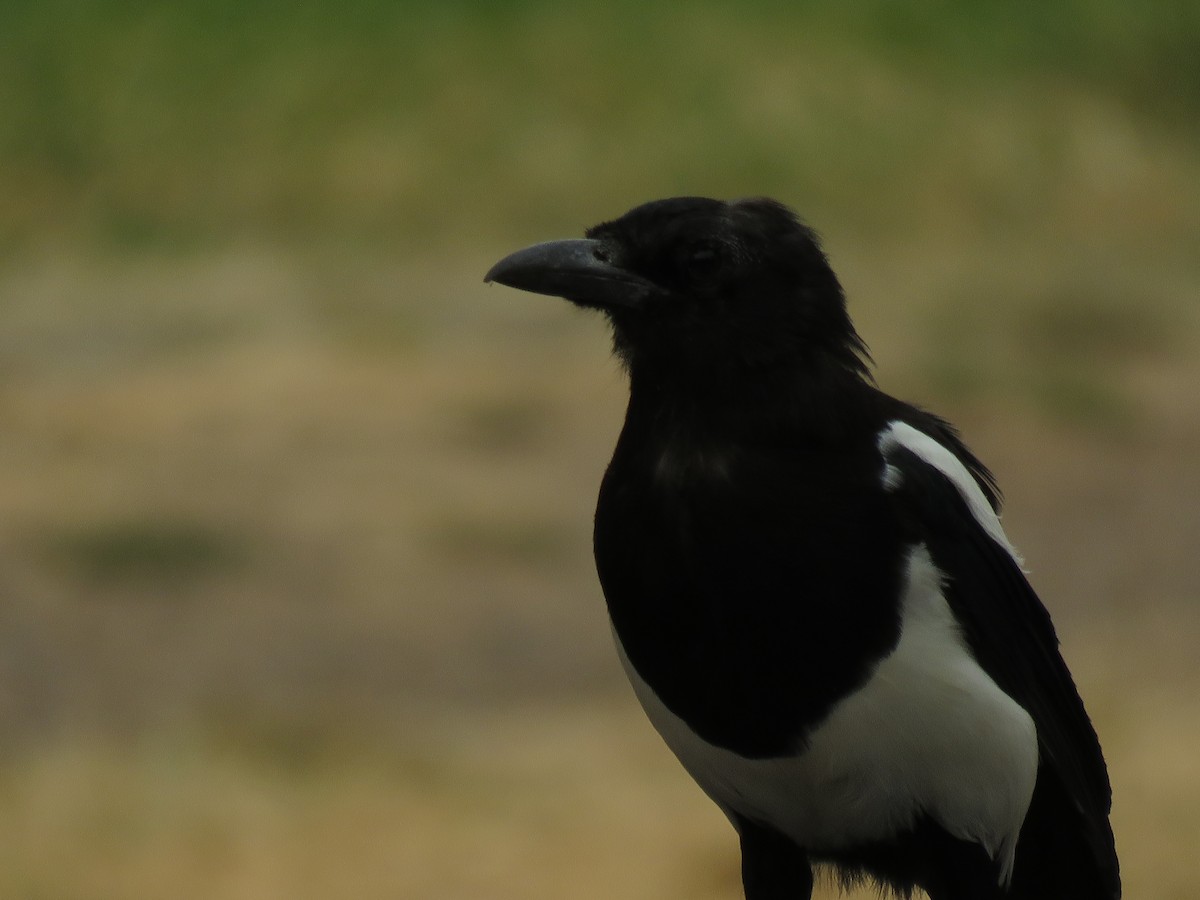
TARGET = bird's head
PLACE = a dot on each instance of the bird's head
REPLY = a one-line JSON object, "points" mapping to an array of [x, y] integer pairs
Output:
{"points": [[698, 285]]}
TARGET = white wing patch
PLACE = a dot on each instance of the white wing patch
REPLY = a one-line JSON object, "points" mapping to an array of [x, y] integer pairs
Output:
{"points": [[929, 732], [901, 434]]}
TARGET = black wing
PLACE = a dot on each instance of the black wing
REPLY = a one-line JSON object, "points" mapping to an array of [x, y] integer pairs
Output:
{"points": [[1010, 635]]}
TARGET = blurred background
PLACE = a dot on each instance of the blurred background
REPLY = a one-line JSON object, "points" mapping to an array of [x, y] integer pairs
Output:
{"points": [[296, 594]]}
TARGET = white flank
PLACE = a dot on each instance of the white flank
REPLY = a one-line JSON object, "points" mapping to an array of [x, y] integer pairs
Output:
{"points": [[929, 732], [901, 434]]}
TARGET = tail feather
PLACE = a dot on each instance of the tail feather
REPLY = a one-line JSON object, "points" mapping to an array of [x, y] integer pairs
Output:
{"points": [[1063, 853]]}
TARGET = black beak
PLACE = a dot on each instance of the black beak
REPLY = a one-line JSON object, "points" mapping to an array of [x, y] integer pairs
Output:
{"points": [[582, 271]]}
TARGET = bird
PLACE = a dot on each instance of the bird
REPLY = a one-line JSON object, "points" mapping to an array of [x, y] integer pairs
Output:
{"points": [[808, 582]]}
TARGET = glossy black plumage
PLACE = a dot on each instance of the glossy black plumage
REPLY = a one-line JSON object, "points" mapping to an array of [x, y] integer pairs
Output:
{"points": [[773, 532]]}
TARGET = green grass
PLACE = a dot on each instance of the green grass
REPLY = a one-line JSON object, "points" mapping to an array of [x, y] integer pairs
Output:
{"points": [[144, 127], [146, 551]]}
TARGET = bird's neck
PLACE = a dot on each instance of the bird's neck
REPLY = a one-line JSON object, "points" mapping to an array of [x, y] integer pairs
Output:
{"points": [[782, 403]]}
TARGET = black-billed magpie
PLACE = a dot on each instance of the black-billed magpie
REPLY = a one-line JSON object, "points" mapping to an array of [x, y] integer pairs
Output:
{"points": [[808, 582]]}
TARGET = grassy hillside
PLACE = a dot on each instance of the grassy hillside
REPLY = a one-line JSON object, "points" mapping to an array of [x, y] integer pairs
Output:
{"points": [[180, 125]]}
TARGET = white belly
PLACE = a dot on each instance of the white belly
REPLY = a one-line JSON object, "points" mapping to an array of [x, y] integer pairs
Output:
{"points": [[929, 732]]}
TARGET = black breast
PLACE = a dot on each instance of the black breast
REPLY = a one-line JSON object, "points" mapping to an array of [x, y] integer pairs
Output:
{"points": [[750, 590]]}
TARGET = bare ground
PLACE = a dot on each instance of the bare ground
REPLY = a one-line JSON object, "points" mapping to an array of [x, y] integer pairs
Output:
{"points": [[299, 598]]}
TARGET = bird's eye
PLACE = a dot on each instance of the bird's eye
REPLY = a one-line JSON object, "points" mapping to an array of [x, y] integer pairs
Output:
{"points": [[703, 261]]}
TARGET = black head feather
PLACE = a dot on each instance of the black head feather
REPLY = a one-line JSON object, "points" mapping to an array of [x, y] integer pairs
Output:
{"points": [[742, 282]]}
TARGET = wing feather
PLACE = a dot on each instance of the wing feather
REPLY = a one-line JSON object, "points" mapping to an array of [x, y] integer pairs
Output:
{"points": [[1006, 627]]}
